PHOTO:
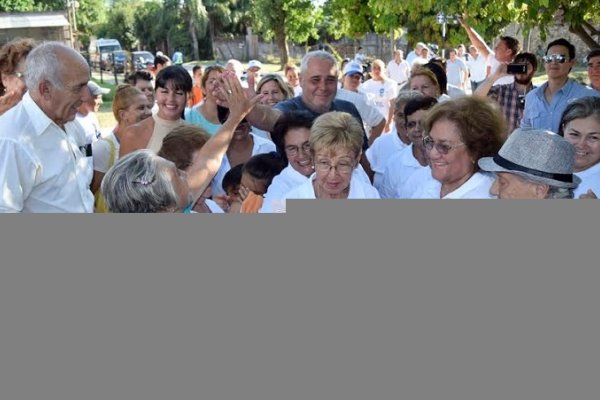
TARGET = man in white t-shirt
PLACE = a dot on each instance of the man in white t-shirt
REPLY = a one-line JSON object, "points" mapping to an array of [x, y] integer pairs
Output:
{"points": [[456, 70], [505, 50], [410, 57], [478, 68], [421, 59], [398, 69], [86, 112], [372, 118]]}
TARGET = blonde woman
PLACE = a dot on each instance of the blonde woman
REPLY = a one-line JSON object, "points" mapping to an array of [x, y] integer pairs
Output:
{"points": [[336, 147], [129, 107]]}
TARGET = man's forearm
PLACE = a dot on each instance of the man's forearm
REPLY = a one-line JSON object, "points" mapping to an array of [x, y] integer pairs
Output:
{"points": [[484, 88], [263, 117], [376, 131]]}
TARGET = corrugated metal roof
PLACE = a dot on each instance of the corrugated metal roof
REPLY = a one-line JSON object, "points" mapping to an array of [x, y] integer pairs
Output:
{"points": [[32, 20]]}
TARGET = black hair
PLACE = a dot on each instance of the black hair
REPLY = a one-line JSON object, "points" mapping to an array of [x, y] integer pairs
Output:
{"points": [[264, 167], [593, 53], [223, 114], [232, 178], [160, 60], [289, 120], [139, 76], [527, 57], [512, 43], [418, 103], [178, 75], [440, 75], [196, 68], [563, 42]]}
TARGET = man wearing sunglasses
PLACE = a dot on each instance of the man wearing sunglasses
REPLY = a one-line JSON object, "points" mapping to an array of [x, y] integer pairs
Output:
{"points": [[544, 105]]}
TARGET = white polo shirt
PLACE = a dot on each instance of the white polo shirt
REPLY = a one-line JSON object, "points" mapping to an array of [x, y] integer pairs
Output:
{"points": [[43, 169]]}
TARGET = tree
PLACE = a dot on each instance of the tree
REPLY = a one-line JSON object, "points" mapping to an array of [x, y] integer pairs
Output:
{"points": [[120, 23], [17, 6], [295, 20], [355, 18], [196, 17]]}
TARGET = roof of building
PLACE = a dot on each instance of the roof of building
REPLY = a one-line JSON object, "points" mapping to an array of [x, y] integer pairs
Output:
{"points": [[33, 20]]}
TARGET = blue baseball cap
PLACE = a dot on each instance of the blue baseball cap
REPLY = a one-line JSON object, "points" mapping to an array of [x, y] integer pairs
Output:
{"points": [[353, 68]]}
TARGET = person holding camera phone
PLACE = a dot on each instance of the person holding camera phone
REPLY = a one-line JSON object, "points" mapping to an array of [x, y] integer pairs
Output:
{"points": [[545, 105], [511, 96]]}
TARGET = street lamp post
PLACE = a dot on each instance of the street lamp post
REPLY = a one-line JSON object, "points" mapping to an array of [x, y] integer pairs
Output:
{"points": [[443, 20]]}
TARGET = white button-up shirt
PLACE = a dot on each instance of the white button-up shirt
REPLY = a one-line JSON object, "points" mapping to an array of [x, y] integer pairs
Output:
{"points": [[43, 168], [380, 152], [476, 187]]}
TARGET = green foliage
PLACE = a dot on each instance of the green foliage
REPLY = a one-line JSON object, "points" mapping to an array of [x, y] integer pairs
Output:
{"points": [[355, 18], [120, 23], [18, 6], [297, 18]]}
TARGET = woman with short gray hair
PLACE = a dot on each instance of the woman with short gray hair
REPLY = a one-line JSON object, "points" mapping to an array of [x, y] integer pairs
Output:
{"points": [[142, 182]]}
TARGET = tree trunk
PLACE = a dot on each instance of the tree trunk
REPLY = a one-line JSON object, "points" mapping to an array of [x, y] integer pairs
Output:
{"points": [[194, 38], [580, 31], [281, 40]]}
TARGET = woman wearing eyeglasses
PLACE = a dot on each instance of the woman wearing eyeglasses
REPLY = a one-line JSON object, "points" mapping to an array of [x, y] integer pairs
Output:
{"points": [[12, 68], [457, 134], [336, 147], [291, 135]]}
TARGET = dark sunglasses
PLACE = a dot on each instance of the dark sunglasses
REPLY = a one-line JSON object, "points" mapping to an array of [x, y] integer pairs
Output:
{"points": [[559, 58]]}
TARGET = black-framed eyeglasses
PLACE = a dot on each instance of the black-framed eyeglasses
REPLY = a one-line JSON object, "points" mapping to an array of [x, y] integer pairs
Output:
{"points": [[343, 167], [559, 58], [442, 148], [19, 75], [292, 150]]}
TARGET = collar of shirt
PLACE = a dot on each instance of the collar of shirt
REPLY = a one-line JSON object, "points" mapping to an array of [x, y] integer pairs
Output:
{"points": [[37, 117]]}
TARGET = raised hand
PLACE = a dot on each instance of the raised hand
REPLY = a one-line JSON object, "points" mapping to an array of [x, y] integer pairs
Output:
{"points": [[238, 102], [588, 195]]}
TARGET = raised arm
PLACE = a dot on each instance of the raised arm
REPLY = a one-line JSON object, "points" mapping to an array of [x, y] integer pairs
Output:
{"points": [[208, 159], [136, 136], [261, 116], [484, 88], [475, 37]]}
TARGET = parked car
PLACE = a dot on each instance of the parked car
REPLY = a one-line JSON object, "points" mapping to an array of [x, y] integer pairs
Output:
{"points": [[117, 60], [142, 60]]}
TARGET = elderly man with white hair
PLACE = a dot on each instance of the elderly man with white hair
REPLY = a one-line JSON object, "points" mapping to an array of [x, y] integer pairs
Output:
{"points": [[47, 164], [533, 164]]}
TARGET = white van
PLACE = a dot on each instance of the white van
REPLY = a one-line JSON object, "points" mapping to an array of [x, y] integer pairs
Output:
{"points": [[100, 50]]}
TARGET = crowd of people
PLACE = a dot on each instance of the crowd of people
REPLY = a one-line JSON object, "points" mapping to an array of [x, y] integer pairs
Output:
{"points": [[229, 139]]}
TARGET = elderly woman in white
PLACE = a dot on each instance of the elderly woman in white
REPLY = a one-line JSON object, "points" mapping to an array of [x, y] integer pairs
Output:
{"points": [[533, 164], [457, 133], [336, 147], [580, 126]]}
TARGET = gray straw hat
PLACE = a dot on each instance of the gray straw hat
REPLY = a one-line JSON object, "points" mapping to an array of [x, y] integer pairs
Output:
{"points": [[539, 155]]}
